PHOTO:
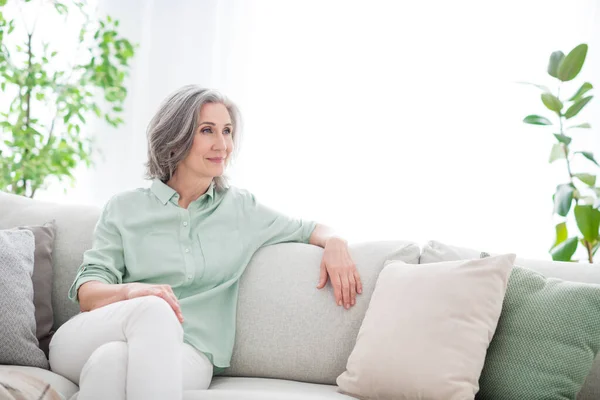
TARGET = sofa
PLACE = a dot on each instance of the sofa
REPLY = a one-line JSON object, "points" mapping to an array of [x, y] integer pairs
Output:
{"points": [[292, 341]]}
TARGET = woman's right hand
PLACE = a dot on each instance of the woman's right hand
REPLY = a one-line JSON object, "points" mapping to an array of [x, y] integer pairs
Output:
{"points": [[163, 291]]}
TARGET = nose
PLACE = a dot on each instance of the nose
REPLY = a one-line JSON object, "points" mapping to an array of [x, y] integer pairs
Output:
{"points": [[220, 142]]}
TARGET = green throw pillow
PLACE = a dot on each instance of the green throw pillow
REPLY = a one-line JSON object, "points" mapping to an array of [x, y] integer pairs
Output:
{"points": [[546, 340]]}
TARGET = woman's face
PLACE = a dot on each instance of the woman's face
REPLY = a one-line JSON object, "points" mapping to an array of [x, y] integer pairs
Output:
{"points": [[213, 142]]}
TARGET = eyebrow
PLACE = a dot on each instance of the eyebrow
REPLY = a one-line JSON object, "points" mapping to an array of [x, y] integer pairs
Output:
{"points": [[213, 124]]}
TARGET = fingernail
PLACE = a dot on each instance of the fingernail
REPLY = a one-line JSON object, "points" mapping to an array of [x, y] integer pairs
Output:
{"points": [[347, 306], [339, 303]]}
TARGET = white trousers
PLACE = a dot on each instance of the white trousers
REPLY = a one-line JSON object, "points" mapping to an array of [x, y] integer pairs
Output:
{"points": [[132, 350]]}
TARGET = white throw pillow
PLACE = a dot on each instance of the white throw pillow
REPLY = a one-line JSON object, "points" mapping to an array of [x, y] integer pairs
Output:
{"points": [[427, 330]]}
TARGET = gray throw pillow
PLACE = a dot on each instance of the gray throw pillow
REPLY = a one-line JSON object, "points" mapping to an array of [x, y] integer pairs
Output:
{"points": [[42, 282], [18, 343]]}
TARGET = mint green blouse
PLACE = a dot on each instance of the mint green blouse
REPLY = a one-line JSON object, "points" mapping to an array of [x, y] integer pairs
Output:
{"points": [[145, 236]]}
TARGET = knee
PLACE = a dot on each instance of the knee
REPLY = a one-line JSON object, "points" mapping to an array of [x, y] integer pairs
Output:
{"points": [[159, 312], [111, 356]]}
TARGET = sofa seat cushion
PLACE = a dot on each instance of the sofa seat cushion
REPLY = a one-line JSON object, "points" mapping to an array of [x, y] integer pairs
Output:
{"points": [[228, 388], [62, 385]]}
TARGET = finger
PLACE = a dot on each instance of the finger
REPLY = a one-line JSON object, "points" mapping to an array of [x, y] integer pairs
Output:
{"points": [[345, 291], [178, 310], [322, 277], [165, 296], [337, 288], [169, 290], [352, 289], [176, 302], [359, 287]]}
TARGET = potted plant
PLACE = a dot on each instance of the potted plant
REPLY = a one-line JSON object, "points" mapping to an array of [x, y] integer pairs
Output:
{"points": [[43, 130], [579, 194]]}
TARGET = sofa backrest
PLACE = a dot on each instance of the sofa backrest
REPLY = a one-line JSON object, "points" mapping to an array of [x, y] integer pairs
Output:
{"points": [[74, 230], [289, 329], [286, 328], [435, 251]]}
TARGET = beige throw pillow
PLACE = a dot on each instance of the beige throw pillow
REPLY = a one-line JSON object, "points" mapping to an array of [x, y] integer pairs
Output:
{"points": [[427, 330], [16, 385]]}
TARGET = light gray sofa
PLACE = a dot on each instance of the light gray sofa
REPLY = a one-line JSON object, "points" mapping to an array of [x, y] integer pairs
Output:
{"points": [[292, 341]]}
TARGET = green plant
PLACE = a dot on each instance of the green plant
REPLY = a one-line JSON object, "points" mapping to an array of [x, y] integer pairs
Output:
{"points": [[42, 131], [581, 187]]}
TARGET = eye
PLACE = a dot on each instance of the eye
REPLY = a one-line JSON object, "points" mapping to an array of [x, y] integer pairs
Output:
{"points": [[206, 130], [227, 131]]}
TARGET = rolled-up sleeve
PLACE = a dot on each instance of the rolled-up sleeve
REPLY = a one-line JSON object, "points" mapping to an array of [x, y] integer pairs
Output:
{"points": [[104, 262], [273, 227]]}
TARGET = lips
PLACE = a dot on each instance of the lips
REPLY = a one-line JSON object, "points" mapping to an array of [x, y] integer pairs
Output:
{"points": [[216, 159]]}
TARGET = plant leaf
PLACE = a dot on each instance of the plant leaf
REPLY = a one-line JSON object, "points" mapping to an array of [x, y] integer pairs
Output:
{"points": [[577, 106], [552, 102], [581, 91], [563, 199], [565, 250], [536, 120], [583, 126], [554, 62], [596, 246], [562, 138], [542, 87], [561, 234], [571, 65], [589, 155], [588, 221], [588, 179], [557, 153], [61, 8]]}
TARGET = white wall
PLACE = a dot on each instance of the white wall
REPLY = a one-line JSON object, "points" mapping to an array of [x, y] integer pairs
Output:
{"points": [[386, 120]]}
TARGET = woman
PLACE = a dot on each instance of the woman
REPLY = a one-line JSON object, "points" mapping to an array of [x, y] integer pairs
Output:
{"points": [[158, 290]]}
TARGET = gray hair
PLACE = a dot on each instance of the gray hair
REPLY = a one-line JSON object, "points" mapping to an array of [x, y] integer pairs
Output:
{"points": [[171, 131]]}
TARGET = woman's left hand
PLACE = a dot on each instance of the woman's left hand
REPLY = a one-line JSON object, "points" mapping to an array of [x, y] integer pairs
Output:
{"points": [[338, 264]]}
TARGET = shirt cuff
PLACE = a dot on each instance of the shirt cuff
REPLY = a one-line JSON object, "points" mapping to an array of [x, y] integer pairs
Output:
{"points": [[308, 228], [80, 280]]}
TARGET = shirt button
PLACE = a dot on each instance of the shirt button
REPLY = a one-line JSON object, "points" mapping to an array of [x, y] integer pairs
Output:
{"points": [[187, 250], [185, 223], [189, 277]]}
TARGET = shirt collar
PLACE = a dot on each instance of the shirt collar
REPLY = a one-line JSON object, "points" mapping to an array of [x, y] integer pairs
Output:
{"points": [[211, 190], [165, 192]]}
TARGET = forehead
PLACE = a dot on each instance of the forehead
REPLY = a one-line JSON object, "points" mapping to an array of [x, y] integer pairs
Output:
{"points": [[214, 112]]}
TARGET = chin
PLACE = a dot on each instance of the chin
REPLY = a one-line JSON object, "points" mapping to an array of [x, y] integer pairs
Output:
{"points": [[217, 173]]}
